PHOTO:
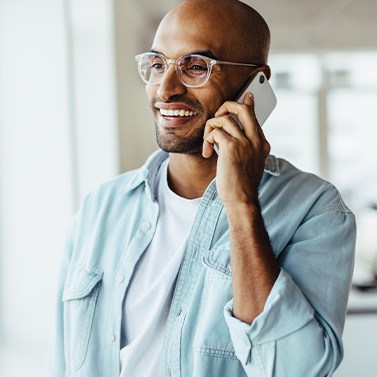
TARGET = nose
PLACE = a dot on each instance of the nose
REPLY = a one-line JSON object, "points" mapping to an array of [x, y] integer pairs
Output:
{"points": [[170, 85]]}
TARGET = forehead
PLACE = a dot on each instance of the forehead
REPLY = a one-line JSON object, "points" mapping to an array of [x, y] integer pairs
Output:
{"points": [[188, 30]]}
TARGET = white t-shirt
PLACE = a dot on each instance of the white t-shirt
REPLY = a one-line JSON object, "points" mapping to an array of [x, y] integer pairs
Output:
{"points": [[148, 297]]}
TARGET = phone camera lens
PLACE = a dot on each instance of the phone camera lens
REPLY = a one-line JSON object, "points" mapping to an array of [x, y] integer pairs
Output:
{"points": [[261, 79]]}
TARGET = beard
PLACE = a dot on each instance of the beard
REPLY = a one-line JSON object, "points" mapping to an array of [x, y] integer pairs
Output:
{"points": [[190, 144]]}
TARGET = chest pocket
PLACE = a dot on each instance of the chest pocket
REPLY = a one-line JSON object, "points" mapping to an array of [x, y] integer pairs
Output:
{"points": [[212, 337], [80, 298]]}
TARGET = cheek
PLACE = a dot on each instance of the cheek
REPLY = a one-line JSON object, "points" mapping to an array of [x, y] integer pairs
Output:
{"points": [[214, 106], [213, 100]]}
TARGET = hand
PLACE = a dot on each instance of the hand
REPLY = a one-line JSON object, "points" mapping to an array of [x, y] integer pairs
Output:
{"points": [[243, 152]]}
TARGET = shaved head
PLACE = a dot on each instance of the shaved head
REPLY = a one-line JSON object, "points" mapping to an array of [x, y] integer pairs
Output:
{"points": [[241, 30]]}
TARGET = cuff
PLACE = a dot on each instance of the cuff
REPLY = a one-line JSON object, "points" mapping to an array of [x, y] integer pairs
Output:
{"points": [[286, 311]]}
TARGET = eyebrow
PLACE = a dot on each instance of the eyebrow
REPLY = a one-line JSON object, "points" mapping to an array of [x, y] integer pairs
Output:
{"points": [[206, 53]]}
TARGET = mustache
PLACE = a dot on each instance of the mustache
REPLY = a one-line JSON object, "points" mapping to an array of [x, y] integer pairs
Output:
{"points": [[193, 104]]}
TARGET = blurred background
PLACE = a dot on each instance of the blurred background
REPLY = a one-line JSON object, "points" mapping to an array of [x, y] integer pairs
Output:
{"points": [[73, 113]]}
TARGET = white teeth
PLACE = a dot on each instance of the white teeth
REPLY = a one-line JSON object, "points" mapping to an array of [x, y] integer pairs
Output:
{"points": [[177, 112]]}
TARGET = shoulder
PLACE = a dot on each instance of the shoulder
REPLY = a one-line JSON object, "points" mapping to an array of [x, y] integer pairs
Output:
{"points": [[301, 188], [107, 193]]}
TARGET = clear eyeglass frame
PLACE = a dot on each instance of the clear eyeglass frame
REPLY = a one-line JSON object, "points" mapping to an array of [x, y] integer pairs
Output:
{"points": [[144, 68]]}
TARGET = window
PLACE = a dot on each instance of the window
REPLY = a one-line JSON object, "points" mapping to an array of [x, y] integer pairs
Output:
{"points": [[326, 122]]}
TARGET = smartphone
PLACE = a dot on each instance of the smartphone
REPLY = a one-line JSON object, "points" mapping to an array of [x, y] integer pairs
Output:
{"points": [[264, 99]]}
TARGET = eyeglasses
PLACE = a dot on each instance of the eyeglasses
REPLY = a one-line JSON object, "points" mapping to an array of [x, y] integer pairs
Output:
{"points": [[193, 70]]}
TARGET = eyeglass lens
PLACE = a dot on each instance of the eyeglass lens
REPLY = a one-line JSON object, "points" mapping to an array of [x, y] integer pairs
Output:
{"points": [[192, 70]]}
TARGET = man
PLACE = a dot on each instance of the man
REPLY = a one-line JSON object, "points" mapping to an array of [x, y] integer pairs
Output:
{"points": [[204, 264]]}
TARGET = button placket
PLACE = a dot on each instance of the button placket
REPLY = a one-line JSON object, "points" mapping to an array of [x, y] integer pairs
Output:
{"points": [[200, 239]]}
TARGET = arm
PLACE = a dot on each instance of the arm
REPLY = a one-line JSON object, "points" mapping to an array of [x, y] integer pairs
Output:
{"points": [[239, 171], [299, 331], [254, 268], [283, 321]]}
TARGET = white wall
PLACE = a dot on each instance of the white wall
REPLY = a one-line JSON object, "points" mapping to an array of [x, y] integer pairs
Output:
{"points": [[134, 32], [36, 184], [58, 140], [91, 42]]}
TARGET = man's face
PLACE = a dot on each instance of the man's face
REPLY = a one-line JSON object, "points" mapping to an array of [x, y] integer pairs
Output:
{"points": [[178, 35]]}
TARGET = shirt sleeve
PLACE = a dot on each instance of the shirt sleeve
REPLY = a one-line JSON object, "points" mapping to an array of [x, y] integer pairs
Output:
{"points": [[299, 331]]}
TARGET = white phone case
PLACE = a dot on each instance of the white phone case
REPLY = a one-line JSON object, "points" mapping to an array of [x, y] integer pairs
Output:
{"points": [[264, 97]]}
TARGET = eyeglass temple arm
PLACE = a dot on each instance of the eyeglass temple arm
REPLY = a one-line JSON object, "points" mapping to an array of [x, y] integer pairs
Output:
{"points": [[232, 63]]}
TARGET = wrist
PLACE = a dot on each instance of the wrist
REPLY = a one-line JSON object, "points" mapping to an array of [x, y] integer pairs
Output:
{"points": [[242, 208]]}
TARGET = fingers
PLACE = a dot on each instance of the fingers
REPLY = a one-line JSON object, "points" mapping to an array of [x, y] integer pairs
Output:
{"points": [[225, 120], [227, 124], [245, 113], [217, 136]]}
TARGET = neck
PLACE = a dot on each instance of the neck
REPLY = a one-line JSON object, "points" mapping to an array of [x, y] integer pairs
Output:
{"points": [[190, 175]]}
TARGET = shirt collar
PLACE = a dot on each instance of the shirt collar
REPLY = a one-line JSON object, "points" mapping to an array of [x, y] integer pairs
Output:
{"points": [[146, 174], [148, 171], [271, 165]]}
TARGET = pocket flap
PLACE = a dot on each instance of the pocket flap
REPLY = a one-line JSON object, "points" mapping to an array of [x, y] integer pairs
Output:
{"points": [[80, 283], [218, 258]]}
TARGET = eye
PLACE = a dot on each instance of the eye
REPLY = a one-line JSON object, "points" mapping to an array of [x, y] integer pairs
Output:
{"points": [[194, 66], [157, 64], [197, 67]]}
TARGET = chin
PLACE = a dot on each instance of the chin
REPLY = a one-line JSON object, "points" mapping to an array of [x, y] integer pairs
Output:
{"points": [[182, 149], [191, 146], [188, 144]]}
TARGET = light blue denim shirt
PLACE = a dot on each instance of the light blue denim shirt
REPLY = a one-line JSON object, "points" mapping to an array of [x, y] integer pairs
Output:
{"points": [[298, 334]]}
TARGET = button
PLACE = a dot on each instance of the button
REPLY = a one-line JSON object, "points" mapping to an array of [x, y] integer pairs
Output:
{"points": [[169, 372], [179, 312], [111, 338], [120, 278], [145, 226]]}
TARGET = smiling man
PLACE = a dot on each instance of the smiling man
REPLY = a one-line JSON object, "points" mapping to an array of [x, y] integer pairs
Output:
{"points": [[202, 264]]}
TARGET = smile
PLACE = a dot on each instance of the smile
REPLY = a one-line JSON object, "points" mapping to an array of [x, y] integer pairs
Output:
{"points": [[177, 113]]}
